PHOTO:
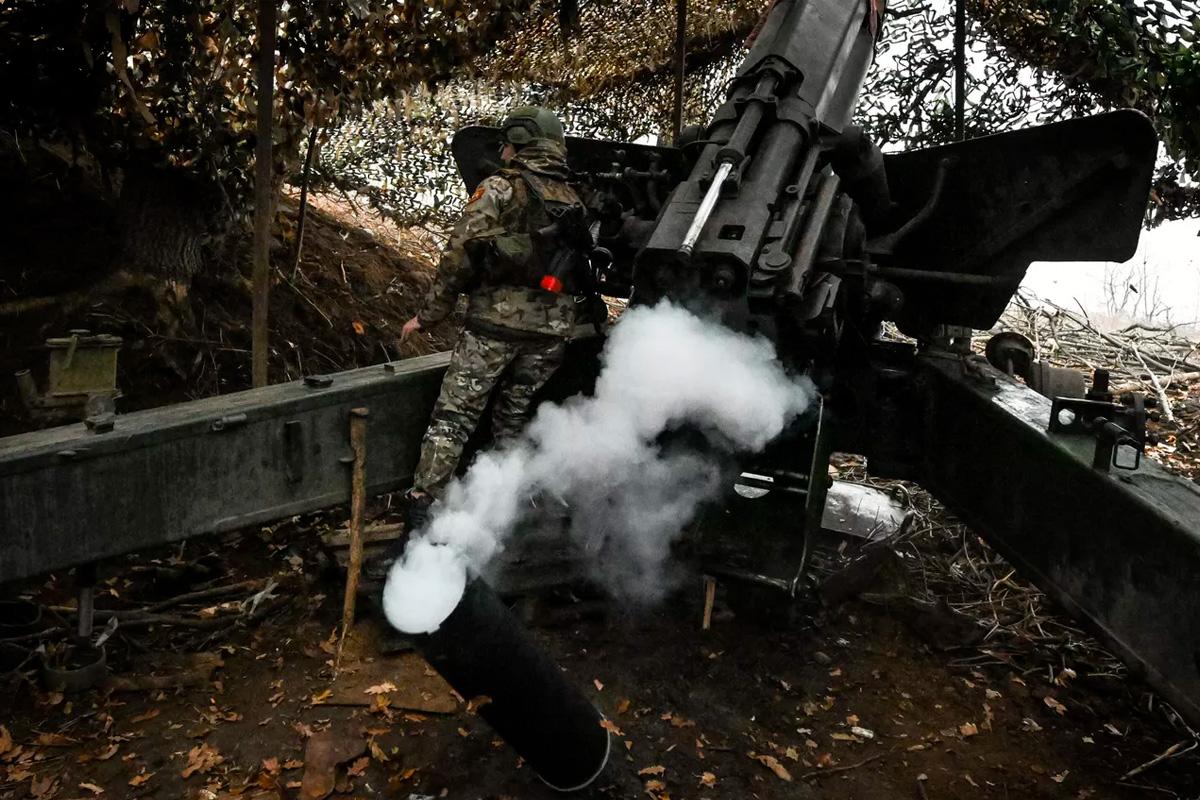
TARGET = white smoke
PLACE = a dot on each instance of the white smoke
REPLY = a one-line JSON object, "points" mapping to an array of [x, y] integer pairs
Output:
{"points": [[628, 496]]}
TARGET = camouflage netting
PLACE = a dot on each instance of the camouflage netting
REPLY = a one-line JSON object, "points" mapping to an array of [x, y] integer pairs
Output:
{"points": [[612, 78]]}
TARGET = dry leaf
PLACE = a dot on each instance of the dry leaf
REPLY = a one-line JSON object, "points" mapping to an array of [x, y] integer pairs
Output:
{"points": [[772, 763], [201, 758], [270, 766], [55, 740], [968, 729], [657, 771], [151, 714], [611, 727], [91, 787], [359, 328], [654, 786], [322, 753], [377, 751], [358, 767], [6, 740], [1062, 776], [293, 763], [598, 684], [1065, 677], [623, 706], [44, 787], [708, 779], [1057, 706], [138, 780], [109, 752], [476, 703], [382, 688], [320, 697]]}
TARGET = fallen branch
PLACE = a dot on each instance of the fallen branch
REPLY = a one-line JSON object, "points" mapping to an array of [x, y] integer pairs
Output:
{"points": [[1164, 404], [1171, 752], [205, 594]]}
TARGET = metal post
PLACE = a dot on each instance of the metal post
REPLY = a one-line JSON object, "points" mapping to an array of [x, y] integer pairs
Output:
{"points": [[263, 186], [680, 66], [960, 69]]}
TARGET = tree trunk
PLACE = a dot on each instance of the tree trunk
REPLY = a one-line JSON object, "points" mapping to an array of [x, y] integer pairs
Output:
{"points": [[167, 221], [169, 225]]}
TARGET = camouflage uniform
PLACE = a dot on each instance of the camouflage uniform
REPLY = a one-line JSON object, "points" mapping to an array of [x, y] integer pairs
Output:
{"points": [[514, 337]]}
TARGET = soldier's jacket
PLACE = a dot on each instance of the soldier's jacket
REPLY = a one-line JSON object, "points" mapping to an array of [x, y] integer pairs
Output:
{"points": [[502, 205]]}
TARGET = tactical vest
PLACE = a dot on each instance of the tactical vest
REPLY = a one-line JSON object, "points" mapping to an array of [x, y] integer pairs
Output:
{"points": [[546, 240]]}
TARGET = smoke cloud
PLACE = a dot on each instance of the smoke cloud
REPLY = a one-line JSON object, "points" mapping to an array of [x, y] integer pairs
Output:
{"points": [[601, 460]]}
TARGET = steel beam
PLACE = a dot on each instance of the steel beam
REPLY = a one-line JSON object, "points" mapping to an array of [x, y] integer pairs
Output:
{"points": [[1117, 550], [69, 496]]}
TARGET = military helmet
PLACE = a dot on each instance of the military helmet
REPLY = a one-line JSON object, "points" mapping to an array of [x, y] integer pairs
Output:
{"points": [[526, 123]]}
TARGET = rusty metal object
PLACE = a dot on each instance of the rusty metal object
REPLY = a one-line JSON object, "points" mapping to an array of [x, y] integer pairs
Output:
{"points": [[82, 378]]}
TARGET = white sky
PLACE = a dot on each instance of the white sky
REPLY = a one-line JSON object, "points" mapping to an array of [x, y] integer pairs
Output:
{"points": [[1165, 270]]}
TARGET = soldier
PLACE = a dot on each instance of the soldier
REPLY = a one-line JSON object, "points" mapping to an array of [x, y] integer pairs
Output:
{"points": [[519, 253]]}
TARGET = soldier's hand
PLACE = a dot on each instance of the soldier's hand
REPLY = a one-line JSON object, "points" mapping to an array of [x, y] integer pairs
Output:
{"points": [[410, 327]]}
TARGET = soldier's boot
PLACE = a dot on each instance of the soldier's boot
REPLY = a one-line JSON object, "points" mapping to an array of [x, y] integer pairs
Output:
{"points": [[416, 514]]}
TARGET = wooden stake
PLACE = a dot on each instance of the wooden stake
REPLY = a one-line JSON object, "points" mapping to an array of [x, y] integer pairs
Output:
{"points": [[358, 503], [710, 596]]}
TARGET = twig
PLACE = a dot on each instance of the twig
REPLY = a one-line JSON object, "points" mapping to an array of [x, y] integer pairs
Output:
{"points": [[304, 176], [204, 594], [303, 296], [1164, 404], [817, 773], [1171, 752]]}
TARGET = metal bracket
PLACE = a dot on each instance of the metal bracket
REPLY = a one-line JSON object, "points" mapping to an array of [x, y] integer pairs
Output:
{"points": [[1119, 430]]}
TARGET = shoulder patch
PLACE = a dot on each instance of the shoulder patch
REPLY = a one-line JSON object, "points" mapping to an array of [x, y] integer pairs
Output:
{"points": [[499, 189]]}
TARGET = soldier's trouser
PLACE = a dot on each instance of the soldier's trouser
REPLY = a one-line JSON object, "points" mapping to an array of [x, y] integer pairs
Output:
{"points": [[479, 364]]}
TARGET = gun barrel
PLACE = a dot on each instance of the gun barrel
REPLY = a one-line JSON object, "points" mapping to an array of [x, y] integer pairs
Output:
{"points": [[732, 224]]}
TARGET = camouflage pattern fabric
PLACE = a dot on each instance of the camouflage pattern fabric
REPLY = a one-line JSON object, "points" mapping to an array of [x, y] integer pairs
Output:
{"points": [[501, 207], [515, 336], [517, 369]]}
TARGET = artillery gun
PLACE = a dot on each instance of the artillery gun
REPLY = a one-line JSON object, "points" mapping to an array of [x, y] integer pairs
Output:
{"points": [[784, 220]]}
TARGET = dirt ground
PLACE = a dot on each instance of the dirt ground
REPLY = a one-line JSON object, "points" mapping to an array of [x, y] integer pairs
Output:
{"points": [[858, 701], [845, 702]]}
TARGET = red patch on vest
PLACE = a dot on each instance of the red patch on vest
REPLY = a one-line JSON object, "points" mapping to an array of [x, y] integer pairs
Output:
{"points": [[478, 193]]}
